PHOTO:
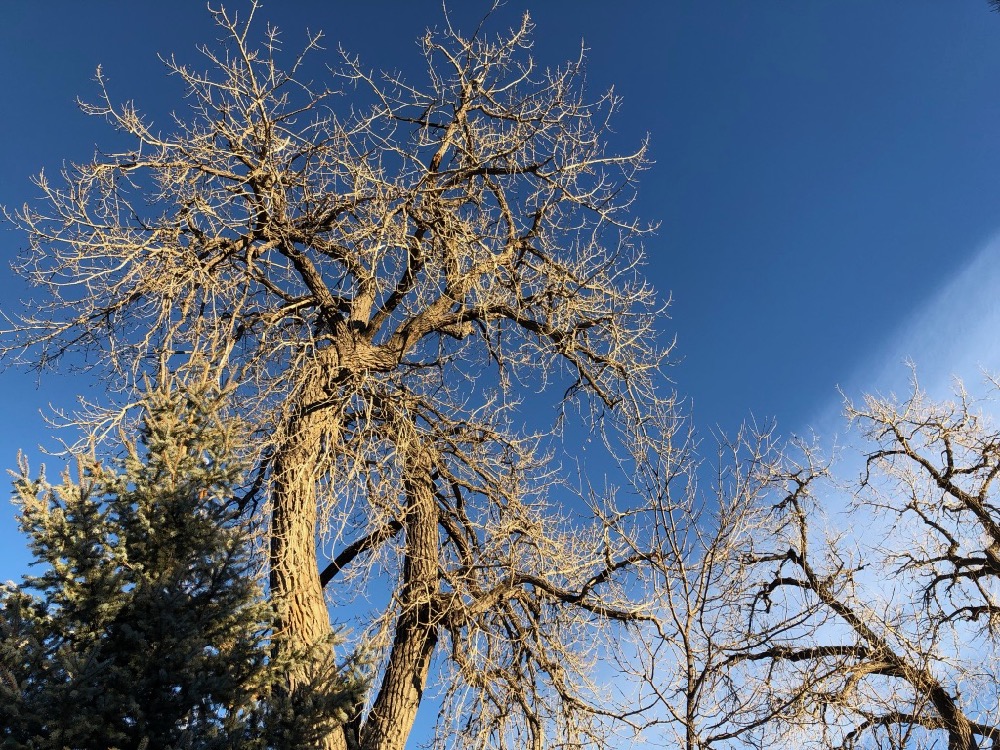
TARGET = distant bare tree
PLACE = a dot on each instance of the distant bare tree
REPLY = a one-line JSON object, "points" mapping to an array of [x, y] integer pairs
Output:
{"points": [[706, 695], [886, 636], [379, 279]]}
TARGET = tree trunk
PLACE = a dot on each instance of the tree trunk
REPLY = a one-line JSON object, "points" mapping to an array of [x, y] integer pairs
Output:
{"points": [[303, 621], [391, 718], [960, 734]]}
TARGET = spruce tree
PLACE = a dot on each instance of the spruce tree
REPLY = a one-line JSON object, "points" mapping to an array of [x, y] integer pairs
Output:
{"points": [[147, 627]]}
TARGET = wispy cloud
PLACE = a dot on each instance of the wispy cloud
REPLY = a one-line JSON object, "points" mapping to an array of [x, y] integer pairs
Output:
{"points": [[956, 334]]}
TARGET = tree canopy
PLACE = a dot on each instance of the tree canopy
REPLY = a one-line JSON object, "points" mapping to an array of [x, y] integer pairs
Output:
{"points": [[377, 270]]}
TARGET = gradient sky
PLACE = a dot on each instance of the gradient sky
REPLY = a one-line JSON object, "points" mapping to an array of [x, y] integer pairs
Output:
{"points": [[827, 173]]}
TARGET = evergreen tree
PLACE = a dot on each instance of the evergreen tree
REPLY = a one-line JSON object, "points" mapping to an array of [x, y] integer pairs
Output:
{"points": [[147, 627]]}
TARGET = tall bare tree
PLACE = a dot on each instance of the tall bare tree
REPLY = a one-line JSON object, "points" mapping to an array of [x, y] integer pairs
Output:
{"points": [[379, 275]]}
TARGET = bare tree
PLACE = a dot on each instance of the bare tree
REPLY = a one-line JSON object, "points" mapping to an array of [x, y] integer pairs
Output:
{"points": [[887, 637], [378, 277], [686, 670]]}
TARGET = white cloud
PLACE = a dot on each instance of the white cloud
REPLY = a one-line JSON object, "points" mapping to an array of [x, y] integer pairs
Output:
{"points": [[955, 334]]}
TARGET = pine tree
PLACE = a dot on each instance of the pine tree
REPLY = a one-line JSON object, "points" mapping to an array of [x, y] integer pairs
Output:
{"points": [[147, 627]]}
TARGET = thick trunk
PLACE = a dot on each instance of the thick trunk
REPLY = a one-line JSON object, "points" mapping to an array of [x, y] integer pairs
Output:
{"points": [[960, 734], [302, 617], [391, 718]]}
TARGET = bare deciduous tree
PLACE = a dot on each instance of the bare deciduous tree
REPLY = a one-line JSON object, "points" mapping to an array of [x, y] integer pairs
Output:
{"points": [[683, 665], [379, 276], [887, 637]]}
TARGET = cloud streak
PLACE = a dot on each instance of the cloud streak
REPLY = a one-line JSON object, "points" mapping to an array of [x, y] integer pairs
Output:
{"points": [[956, 334]]}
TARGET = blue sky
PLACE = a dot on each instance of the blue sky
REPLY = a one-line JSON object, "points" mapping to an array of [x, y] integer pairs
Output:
{"points": [[827, 173]]}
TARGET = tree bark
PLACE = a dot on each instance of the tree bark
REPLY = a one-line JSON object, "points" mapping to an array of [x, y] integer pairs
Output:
{"points": [[302, 619], [392, 715]]}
